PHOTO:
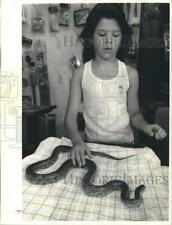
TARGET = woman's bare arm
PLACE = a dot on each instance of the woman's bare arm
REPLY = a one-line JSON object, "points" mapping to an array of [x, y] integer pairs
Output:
{"points": [[73, 106], [136, 117], [79, 147]]}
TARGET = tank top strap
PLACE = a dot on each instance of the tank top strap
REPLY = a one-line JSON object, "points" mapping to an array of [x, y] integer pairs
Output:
{"points": [[86, 72], [123, 72]]}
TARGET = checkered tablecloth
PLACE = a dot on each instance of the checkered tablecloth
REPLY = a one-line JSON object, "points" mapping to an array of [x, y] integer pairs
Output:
{"points": [[65, 200]]}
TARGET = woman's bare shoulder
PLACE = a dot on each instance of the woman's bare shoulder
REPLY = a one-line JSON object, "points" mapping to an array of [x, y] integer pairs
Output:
{"points": [[131, 71]]}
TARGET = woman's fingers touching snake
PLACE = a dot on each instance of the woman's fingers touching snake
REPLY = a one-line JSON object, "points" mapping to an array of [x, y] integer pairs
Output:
{"points": [[82, 154], [73, 158], [78, 158]]}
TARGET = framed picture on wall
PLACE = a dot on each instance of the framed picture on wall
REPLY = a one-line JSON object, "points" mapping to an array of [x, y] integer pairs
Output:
{"points": [[65, 15], [80, 16]]}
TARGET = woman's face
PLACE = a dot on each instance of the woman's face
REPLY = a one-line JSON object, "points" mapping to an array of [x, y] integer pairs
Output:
{"points": [[107, 39]]}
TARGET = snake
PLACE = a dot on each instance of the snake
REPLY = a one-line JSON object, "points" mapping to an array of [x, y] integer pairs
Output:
{"points": [[34, 177]]}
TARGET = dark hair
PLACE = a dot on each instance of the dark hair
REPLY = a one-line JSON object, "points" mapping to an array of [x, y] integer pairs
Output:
{"points": [[109, 11]]}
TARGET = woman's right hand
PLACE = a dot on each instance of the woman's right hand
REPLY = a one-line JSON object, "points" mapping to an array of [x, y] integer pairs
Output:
{"points": [[78, 153]]}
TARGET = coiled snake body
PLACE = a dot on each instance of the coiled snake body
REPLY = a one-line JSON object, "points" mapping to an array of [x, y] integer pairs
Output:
{"points": [[87, 186]]}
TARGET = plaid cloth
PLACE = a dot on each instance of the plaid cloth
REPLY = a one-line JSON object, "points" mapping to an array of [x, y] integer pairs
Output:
{"points": [[65, 200]]}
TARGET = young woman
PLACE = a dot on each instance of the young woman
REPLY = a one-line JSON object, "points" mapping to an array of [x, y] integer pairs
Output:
{"points": [[108, 86]]}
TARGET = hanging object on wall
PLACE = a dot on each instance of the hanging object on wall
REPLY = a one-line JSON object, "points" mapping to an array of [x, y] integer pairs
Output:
{"points": [[42, 72], [75, 62], [26, 42], [53, 18], [24, 15], [134, 14], [80, 16], [65, 14], [33, 82], [32, 75], [126, 9], [86, 5], [26, 101], [37, 19], [132, 51], [151, 11], [40, 46], [28, 58]]}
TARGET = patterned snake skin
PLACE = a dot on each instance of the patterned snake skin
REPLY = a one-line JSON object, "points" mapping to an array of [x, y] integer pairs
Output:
{"points": [[87, 186]]}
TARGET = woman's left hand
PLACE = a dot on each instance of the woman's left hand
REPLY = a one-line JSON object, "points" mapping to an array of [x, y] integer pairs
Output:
{"points": [[155, 130]]}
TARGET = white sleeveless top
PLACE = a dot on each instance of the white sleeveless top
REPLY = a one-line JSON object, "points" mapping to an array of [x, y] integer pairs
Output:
{"points": [[105, 106]]}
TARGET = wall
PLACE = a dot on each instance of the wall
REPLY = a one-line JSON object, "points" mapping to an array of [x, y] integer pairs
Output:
{"points": [[60, 47]]}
